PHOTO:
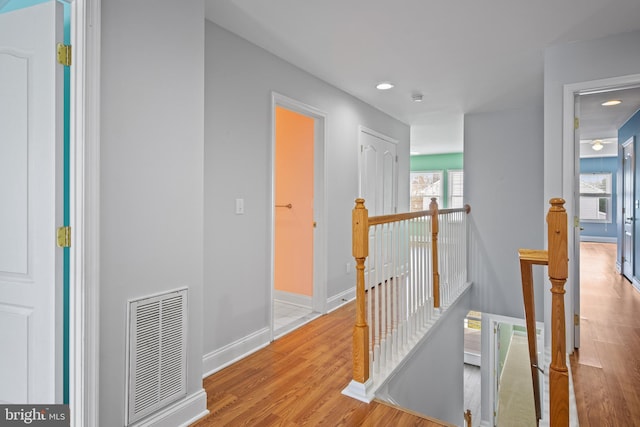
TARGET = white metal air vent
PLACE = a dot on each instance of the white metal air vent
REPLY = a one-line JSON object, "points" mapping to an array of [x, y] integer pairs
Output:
{"points": [[157, 357]]}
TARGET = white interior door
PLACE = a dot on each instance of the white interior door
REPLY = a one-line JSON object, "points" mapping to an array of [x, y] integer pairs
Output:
{"points": [[378, 172], [30, 165]]}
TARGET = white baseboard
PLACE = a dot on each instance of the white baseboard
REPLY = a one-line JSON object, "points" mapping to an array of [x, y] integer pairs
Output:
{"points": [[291, 298], [341, 299], [598, 239], [636, 284], [182, 413], [230, 353]]}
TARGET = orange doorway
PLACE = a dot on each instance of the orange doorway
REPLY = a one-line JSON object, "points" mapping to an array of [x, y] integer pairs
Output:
{"points": [[294, 218]]}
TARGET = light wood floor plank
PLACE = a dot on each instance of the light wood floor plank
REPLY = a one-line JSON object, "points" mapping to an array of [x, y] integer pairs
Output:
{"points": [[606, 368]]}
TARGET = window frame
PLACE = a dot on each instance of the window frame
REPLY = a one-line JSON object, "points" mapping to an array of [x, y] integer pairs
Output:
{"points": [[450, 194], [606, 195]]}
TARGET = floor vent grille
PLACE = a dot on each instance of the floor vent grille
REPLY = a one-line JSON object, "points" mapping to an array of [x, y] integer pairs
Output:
{"points": [[157, 369]]}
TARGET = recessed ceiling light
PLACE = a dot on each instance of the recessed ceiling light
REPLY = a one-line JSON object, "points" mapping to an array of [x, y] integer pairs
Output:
{"points": [[384, 85], [612, 102], [417, 97]]}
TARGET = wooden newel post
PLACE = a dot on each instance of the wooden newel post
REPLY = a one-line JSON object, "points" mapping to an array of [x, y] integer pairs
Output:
{"points": [[433, 207], [360, 242], [558, 271]]}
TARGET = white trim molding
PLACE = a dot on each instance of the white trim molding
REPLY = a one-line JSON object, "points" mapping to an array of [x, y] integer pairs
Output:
{"points": [[84, 197], [237, 350], [189, 408], [569, 91], [341, 299]]}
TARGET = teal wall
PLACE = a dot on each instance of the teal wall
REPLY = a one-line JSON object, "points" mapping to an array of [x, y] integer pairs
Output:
{"points": [[438, 162], [20, 4]]}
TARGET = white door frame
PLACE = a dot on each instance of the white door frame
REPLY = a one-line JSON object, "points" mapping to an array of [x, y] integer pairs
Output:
{"points": [[630, 142], [568, 181], [85, 201], [319, 299]]}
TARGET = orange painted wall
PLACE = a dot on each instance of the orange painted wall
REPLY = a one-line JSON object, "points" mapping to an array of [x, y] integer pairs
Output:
{"points": [[294, 184]]}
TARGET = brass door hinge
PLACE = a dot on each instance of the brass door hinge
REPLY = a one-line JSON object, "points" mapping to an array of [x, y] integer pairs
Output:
{"points": [[576, 123], [576, 320], [64, 54], [64, 237]]}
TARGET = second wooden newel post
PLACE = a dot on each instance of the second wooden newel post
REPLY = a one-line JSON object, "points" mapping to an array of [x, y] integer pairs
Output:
{"points": [[360, 242]]}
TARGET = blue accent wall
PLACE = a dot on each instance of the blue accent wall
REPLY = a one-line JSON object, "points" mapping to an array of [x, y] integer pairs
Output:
{"points": [[632, 129], [601, 230]]}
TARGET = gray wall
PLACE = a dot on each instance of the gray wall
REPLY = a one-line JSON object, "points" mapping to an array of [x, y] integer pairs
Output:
{"points": [[503, 185], [239, 79], [151, 174]]}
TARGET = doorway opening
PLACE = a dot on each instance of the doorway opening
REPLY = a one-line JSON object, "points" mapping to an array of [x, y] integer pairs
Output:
{"points": [[577, 127], [298, 285]]}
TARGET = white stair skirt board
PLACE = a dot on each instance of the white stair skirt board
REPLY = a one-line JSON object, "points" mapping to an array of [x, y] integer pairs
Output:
{"points": [[341, 299], [182, 413], [231, 353], [362, 392], [291, 298]]}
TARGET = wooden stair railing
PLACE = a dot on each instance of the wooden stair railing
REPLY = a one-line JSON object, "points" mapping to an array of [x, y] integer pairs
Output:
{"points": [[556, 259], [361, 223]]}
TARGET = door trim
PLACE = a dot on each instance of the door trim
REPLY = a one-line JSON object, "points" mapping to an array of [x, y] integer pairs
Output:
{"points": [[319, 300], [84, 195], [630, 142], [568, 179]]}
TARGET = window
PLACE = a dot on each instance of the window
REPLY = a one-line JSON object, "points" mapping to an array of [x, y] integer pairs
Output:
{"points": [[424, 186], [456, 185], [595, 197]]}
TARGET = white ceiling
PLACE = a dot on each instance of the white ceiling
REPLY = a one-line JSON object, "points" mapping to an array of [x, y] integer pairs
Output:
{"points": [[464, 56]]}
